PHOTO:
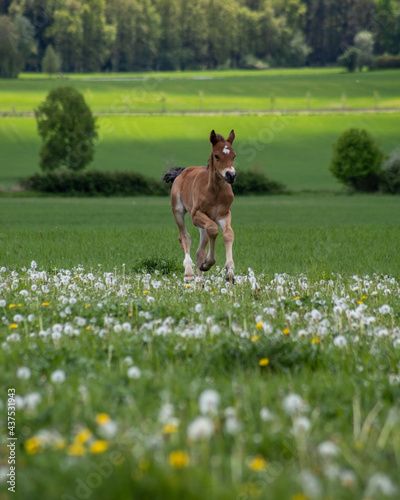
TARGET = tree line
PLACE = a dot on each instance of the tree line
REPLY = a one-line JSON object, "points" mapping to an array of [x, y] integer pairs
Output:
{"points": [[133, 35]]}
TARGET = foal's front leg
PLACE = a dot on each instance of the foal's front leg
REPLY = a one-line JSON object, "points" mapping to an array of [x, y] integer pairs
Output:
{"points": [[229, 236], [201, 220]]}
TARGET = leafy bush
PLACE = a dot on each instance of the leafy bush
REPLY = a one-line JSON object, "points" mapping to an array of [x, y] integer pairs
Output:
{"points": [[94, 183], [349, 59], [253, 182], [68, 129], [390, 174], [387, 61], [357, 160]]}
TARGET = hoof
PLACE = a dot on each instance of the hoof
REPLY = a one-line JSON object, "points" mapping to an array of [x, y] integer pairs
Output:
{"points": [[204, 267], [230, 279], [189, 277]]}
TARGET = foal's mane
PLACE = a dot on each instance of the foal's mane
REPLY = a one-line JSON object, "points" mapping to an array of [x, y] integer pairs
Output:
{"points": [[220, 138]]}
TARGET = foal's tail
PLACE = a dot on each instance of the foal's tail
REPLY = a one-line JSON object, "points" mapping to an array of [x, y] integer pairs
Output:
{"points": [[172, 174]]}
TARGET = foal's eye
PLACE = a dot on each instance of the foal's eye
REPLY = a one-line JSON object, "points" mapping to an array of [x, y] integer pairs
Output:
{"points": [[216, 157]]}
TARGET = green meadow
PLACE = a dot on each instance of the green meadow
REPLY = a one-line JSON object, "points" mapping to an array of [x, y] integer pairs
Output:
{"points": [[295, 150], [240, 90], [311, 233]]}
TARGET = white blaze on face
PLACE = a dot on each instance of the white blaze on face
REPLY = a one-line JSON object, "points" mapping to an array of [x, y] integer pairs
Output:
{"points": [[226, 150]]}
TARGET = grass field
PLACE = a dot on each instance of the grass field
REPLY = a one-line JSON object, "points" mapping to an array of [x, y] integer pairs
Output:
{"points": [[221, 90], [295, 150], [304, 233], [134, 384]]}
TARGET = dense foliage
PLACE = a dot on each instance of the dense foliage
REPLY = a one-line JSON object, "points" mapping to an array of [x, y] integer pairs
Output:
{"points": [[128, 35], [390, 175], [357, 160], [95, 183], [68, 129]]}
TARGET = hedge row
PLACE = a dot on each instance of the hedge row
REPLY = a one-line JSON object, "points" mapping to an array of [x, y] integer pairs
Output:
{"points": [[95, 183], [387, 62]]}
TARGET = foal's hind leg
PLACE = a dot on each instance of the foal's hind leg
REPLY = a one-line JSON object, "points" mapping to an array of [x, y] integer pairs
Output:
{"points": [[184, 240]]}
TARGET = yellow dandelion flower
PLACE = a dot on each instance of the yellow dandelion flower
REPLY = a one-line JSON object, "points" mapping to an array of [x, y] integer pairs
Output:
{"points": [[178, 459], [254, 338], [33, 445], [286, 331], [77, 276], [88, 328], [19, 305], [315, 340], [187, 286], [130, 315], [146, 291], [102, 418], [264, 362], [144, 464], [259, 325], [83, 436], [258, 463], [98, 446], [76, 450], [14, 325], [360, 302], [364, 297], [87, 305], [297, 298], [59, 444], [300, 496], [45, 303], [11, 306], [170, 428]]}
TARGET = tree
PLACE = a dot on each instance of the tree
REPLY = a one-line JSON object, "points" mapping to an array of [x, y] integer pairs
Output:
{"points": [[349, 59], [357, 160], [364, 42], [68, 129], [51, 62], [16, 44]]}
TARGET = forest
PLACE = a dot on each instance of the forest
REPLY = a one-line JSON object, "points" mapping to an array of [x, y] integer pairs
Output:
{"points": [[135, 35]]}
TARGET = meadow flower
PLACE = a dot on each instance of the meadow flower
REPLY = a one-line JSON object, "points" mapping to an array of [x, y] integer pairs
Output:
{"points": [[209, 401], [232, 425], [340, 341], [380, 484], [293, 403], [134, 372], [301, 425], [258, 463], [394, 379], [178, 459], [166, 413], [32, 400], [266, 415], [264, 362], [128, 360], [198, 308], [23, 372], [98, 446], [328, 449], [3, 303], [310, 484], [126, 327], [200, 428], [58, 376], [385, 309]]}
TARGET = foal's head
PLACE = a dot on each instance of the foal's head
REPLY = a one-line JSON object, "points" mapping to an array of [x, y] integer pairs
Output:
{"points": [[222, 156]]}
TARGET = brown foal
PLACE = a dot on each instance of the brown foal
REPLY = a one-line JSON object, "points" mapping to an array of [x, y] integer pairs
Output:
{"points": [[206, 193]]}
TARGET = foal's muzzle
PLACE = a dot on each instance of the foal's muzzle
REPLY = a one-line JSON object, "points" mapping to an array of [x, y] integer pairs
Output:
{"points": [[230, 177]]}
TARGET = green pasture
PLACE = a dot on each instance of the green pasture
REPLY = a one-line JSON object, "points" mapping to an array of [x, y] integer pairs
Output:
{"points": [[295, 150], [238, 90], [299, 233]]}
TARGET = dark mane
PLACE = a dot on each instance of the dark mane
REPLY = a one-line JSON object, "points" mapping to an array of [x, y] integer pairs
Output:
{"points": [[172, 174]]}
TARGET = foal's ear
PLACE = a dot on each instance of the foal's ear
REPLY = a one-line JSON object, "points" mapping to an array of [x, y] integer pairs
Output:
{"points": [[213, 138], [231, 137]]}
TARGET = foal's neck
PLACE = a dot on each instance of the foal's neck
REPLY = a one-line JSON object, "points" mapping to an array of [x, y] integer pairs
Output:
{"points": [[215, 181]]}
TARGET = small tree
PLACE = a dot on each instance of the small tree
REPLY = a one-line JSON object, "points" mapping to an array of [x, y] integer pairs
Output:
{"points": [[349, 59], [364, 42], [390, 175], [68, 129], [357, 160], [51, 62]]}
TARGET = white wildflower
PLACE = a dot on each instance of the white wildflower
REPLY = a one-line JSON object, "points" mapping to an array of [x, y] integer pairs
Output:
{"points": [[134, 372], [209, 401], [200, 428], [58, 376]]}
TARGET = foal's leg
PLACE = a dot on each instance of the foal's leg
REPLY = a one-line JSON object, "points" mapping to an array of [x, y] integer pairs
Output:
{"points": [[228, 235], [184, 240], [201, 220], [201, 253]]}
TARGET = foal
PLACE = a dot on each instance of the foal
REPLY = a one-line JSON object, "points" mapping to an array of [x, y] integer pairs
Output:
{"points": [[206, 193]]}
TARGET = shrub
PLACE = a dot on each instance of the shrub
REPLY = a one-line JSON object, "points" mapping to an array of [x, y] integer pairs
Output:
{"points": [[387, 62], [390, 174], [93, 183], [253, 182], [51, 62], [349, 59], [68, 129], [357, 160]]}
